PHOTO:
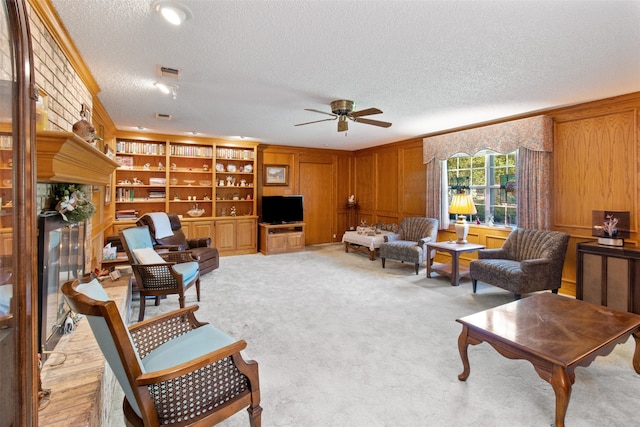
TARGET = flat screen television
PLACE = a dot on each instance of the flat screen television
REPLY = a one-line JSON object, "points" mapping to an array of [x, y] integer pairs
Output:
{"points": [[282, 209]]}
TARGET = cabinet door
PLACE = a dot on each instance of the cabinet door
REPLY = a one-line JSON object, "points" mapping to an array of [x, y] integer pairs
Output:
{"points": [[225, 235], [201, 229], [246, 234], [296, 241], [592, 278]]}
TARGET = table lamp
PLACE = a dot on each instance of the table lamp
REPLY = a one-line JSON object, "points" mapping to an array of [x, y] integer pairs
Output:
{"points": [[462, 205]]}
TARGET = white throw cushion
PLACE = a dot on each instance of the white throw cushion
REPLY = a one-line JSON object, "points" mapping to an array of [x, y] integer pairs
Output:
{"points": [[147, 256]]}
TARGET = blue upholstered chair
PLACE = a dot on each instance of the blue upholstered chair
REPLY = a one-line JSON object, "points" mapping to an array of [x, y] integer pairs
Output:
{"points": [[409, 243], [156, 274], [174, 370]]}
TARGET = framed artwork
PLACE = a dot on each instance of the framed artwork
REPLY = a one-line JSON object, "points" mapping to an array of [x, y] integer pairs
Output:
{"points": [[107, 195], [276, 175]]}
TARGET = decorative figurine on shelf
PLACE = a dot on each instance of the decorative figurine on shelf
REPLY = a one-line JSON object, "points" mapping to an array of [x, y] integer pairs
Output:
{"points": [[83, 128], [136, 181], [248, 196], [233, 211], [352, 199], [207, 198], [147, 166], [205, 167], [174, 166], [160, 166]]}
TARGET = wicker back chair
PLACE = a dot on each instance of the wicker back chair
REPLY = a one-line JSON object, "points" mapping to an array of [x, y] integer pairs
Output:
{"points": [[174, 370], [409, 243], [529, 260], [158, 275]]}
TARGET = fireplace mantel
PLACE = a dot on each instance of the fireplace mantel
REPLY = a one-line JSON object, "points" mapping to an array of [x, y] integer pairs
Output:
{"points": [[65, 157]]}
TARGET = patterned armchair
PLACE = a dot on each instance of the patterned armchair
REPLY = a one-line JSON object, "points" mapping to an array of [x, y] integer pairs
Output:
{"points": [[409, 243], [529, 261]]}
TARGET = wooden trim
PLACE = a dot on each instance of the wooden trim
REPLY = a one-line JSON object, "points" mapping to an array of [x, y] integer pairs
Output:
{"points": [[49, 17], [65, 157]]}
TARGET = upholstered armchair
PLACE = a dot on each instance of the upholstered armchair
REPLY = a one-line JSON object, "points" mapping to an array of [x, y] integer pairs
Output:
{"points": [[158, 275], [529, 261], [409, 243], [174, 370], [201, 250]]}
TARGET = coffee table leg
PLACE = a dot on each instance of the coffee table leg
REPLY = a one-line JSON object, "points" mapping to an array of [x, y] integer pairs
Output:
{"points": [[463, 345], [561, 383], [346, 247], [636, 354]]}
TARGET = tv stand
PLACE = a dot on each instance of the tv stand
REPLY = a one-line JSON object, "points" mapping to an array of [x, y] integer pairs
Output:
{"points": [[281, 238]]}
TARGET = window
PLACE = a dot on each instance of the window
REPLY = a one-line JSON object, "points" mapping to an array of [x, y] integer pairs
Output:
{"points": [[490, 178]]}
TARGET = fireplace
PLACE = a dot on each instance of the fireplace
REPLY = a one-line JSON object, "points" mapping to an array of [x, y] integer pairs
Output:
{"points": [[61, 252]]}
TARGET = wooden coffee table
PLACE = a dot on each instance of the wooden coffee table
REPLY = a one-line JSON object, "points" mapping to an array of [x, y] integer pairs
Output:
{"points": [[555, 333], [454, 270]]}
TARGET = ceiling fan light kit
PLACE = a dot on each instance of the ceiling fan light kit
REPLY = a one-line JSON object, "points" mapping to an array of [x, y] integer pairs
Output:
{"points": [[342, 109]]}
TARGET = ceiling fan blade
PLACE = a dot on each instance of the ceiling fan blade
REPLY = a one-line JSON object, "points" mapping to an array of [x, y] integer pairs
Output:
{"points": [[372, 122], [321, 112], [367, 112], [316, 121]]}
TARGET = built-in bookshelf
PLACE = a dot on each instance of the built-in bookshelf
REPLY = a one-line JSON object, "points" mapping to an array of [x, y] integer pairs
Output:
{"points": [[212, 186]]}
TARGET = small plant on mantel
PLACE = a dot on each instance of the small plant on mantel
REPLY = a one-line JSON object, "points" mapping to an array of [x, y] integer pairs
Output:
{"points": [[70, 202]]}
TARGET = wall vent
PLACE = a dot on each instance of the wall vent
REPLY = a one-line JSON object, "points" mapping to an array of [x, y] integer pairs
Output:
{"points": [[161, 116], [168, 73]]}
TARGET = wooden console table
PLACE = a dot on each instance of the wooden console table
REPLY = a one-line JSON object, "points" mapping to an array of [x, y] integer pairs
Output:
{"points": [[555, 333], [609, 276]]}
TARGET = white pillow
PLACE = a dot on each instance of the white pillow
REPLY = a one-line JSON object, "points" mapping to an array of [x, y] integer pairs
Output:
{"points": [[147, 256]]}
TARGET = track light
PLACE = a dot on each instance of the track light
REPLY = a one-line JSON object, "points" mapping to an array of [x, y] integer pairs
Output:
{"points": [[173, 12]]}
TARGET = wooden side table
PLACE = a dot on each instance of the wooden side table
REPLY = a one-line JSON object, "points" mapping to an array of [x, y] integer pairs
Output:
{"points": [[454, 270]]}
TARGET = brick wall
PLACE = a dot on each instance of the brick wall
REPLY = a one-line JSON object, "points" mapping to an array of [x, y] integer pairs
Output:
{"points": [[55, 75]]}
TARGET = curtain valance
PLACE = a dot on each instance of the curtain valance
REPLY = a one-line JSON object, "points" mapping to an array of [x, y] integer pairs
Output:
{"points": [[533, 133]]}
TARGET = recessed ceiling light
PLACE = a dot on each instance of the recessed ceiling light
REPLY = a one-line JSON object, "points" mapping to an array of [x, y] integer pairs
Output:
{"points": [[167, 89], [173, 12]]}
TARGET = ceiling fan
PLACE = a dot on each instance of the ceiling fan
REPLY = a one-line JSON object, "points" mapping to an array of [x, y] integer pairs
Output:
{"points": [[342, 110]]}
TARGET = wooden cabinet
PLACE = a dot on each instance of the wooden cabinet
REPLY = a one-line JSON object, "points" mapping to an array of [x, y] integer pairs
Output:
{"points": [[6, 183], [281, 238], [214, 177], [236, 235], [609, 276]]}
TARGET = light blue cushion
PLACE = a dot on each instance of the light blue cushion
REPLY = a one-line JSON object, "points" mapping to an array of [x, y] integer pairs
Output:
{"points": [[137, 237], [184, 348], [189, 271]]}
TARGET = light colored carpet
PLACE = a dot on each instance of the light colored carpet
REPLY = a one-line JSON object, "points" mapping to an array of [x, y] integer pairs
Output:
{"points": [[342, 342]]}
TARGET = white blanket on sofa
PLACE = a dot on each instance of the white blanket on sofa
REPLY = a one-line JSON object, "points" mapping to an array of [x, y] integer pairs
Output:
{"points": [[162, 224]]}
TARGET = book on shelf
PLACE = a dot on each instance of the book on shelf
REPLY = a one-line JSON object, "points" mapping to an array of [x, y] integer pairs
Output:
{"points": [[127, 214]]}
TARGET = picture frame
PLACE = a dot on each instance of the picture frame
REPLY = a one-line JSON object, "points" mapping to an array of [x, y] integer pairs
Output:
{"points": [[276, 175], [107, 195]]}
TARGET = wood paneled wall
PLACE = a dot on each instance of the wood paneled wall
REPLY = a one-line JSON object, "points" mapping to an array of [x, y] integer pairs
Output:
{"points": [[596, 167], [388, 182]]}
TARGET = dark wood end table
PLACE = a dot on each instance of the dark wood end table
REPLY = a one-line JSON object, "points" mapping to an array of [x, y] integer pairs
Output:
{"points": [[555, 333], [454, 270]]}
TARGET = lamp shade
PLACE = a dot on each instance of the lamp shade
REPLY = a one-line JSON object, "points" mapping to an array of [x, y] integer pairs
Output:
{"points": [[462, 204]]}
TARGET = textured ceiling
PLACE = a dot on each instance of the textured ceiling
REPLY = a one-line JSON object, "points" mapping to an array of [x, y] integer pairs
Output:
{"points": [[250, 68]]}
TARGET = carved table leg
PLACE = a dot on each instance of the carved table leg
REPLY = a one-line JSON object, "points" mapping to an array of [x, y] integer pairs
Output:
{"points": [[463, 345], [561, 383], [636, 353]]}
